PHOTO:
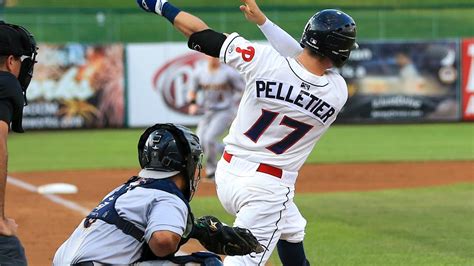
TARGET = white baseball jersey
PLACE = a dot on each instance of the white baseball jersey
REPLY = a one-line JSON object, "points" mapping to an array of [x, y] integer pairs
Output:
{"points": [[149, 209], [284, 109], [218, 86]]}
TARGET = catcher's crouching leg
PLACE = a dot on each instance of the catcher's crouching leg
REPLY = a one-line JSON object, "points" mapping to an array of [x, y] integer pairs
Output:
{"points": [[197, 258], [204, 258]]}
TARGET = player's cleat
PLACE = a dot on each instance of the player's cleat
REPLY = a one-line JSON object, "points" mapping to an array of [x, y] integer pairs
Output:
{"points": [[155, 6]]}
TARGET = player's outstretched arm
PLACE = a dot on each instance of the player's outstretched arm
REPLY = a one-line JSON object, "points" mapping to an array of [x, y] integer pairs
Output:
{"points": [[189, 24], [279, 39], [201, 37], [182, 21]]}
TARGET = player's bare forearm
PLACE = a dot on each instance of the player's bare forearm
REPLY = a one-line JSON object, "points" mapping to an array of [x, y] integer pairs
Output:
{"points": [[3, 164], [184, 22], [188, 24], [201, 38]]}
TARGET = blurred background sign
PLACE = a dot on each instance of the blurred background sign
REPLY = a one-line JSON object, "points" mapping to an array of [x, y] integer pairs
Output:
{"points": [[76, 86], [158, 83], [403, 81]]}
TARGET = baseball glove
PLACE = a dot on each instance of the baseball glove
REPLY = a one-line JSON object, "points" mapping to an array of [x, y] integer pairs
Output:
{"points": [[223, 239]]}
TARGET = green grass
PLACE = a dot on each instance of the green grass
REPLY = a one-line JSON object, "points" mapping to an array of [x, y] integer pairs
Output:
{"points": [[86, 149], [416, 142], [132, 25], [131, 3], [59, 150], [429, 226]]}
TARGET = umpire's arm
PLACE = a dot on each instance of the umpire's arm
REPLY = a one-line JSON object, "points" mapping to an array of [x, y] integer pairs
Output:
{"points": [[8, 226], [3, 164]]}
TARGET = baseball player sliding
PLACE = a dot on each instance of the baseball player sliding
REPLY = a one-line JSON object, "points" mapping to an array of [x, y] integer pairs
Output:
{"points": [[287, 105], [221, 87]]}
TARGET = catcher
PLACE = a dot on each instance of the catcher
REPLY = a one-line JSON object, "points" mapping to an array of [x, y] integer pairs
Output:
{"points": [[148, 218]]}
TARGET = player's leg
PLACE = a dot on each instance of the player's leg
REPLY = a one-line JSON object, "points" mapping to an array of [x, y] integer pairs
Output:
{"points": [[202, 128], [259, 203], [218, 124], [194, 259], [202, 132], [290, 246], [11, 251]]}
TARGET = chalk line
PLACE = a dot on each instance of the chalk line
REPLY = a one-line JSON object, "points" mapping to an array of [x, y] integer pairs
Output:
{"points": [[54, 198]]}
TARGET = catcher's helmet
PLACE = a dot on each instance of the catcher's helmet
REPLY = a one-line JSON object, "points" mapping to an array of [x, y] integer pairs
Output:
{"points": [[172, 148], [330, 33]]}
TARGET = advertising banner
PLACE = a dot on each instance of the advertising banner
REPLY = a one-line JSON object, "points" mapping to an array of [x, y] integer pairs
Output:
{"points": [[467, 79], [158, 83], [76, 86], [402, 82]]}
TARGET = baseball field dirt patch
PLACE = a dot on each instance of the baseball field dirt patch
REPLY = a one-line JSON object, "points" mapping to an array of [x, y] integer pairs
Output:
{"points": [[44, 224]]}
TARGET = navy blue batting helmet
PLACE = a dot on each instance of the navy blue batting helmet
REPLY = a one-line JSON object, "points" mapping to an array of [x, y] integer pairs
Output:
{"points": [[330, 33]]}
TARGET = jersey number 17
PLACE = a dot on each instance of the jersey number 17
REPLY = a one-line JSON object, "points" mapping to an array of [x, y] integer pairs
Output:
{"points": [[266, 119]]}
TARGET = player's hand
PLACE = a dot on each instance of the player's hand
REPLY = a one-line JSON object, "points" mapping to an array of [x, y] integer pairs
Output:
{"points": [[154, 6], [252, 12], [8, 227], [193, 109]]}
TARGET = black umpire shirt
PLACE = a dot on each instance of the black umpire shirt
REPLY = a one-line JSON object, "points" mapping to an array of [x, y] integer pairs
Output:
{"points": [[11, 101]]}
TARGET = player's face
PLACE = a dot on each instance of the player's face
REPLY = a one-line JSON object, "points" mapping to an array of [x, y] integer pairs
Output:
{"points": [[197, 177]]}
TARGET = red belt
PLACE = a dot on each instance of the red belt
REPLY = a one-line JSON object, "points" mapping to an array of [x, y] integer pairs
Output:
{"points": [[263, 168]]}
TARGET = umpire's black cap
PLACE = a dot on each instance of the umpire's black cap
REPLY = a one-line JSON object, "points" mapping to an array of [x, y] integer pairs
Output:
{"points": [[13, 41]]}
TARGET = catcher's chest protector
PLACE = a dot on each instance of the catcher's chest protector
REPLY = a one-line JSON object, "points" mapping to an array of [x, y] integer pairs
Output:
{"points": [[106, 211]]}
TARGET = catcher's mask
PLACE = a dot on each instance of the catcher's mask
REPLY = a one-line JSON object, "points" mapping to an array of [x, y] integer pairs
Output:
{"points": [[172, 148], [18, 41], [330, 33]]}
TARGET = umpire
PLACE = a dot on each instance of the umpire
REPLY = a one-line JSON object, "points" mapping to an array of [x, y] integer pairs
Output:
{"points": [[17, 58]]}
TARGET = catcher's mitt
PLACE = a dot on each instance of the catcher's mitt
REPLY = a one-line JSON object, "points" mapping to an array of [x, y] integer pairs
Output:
{"points": [[223, 239]]}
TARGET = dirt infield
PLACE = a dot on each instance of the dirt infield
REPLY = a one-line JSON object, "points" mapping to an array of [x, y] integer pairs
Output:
{"points": [[44, 225]]}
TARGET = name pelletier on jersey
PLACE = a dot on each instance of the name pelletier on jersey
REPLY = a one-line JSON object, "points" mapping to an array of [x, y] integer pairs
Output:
{"points": [[298, 97]]}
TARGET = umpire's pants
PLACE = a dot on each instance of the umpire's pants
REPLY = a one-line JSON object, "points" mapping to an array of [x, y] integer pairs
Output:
{"points": [[11, 251]]}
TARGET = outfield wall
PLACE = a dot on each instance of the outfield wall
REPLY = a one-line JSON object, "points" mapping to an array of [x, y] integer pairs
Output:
{"points": [[135, 85]]}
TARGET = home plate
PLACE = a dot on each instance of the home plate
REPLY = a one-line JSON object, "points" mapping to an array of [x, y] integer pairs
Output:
{"points": [[57, 188]]}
